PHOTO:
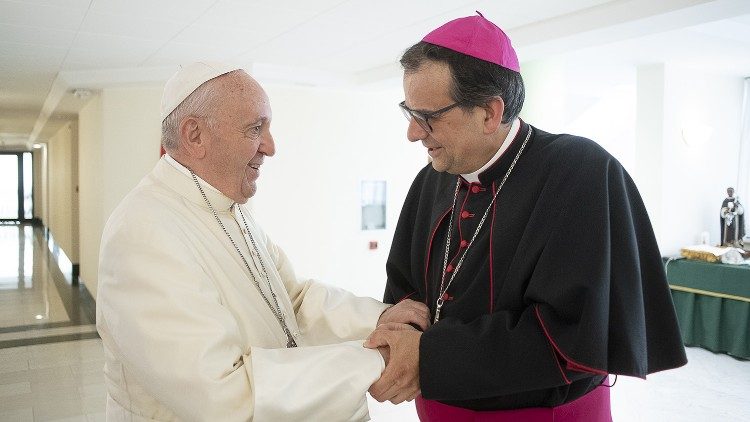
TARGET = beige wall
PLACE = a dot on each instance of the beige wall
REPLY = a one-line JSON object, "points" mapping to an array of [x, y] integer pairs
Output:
{"points": [[90, 182], [119, 135], [130, 144], [40, 183], [63, 198]]}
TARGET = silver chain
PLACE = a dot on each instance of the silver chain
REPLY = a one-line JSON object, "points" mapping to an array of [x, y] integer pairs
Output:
{"points": [[277, 311], [441, 291]]}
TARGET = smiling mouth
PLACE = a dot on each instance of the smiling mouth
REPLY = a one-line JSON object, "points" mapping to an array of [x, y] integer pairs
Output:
{"points": [[254, 166]]}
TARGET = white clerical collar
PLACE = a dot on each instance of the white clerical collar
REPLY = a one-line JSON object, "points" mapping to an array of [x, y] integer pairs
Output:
{"points": [[184, 170], [514, 128]]}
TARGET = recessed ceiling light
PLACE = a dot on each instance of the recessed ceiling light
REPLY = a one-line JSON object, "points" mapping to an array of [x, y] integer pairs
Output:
{"points": [[81, 93]]}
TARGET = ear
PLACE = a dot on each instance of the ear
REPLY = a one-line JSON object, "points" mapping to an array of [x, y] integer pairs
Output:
{"points": [[193, 132], [493, 117]]}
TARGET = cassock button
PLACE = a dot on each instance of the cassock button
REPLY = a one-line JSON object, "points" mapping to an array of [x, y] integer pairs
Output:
{"points": [[464, 243], [465, 214], [449, 268], [475, 189]]}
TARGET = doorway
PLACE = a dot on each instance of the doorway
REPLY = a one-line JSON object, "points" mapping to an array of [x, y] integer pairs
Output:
{"points": [[16, 186]]}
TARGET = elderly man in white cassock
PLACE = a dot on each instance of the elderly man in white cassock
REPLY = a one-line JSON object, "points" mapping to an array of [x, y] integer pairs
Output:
{"points": [[200, 313]]}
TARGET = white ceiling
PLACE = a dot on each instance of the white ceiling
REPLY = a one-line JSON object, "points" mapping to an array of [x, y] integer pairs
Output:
{"points": [[50, 47]]}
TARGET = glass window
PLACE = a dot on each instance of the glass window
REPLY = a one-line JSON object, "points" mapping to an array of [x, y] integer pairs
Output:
{"points": [[9, 186], [28, 183]]}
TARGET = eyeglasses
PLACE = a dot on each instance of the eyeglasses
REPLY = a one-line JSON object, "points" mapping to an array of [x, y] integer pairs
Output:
{"points": [[423, 118]]}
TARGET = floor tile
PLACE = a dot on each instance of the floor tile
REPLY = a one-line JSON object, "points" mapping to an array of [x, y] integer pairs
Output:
{"points": [[13, 364], [15, 389], [18, 415], [47, 410], [96, 417]]}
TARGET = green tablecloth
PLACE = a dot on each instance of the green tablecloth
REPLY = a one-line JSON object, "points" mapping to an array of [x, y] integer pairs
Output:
{"points": [[713, 305]]}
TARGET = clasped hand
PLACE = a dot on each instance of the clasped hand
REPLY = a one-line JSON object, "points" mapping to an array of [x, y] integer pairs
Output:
{"points": [[398, 342]]}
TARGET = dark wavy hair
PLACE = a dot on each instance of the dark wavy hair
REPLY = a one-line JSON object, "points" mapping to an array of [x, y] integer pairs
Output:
{"points": [[475, 81]]}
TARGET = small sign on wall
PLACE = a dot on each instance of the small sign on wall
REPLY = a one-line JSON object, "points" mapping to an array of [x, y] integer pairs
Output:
{"points": [[373, 204]]}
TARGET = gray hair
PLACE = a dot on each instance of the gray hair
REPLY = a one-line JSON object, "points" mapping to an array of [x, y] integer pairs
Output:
{"points": [[199, 104]]}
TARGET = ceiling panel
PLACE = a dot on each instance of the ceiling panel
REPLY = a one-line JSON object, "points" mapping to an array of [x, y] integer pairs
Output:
{"points": [[41, 15], [174, 10], [391, 14], [537, 10], [21, 53], [147, 27], [36, 35], [316, 6], [67, 4], [224, 39], [323, 36], [181, 53], [264, 21], [25, 90], [24, 99], [14, 121], [110, 50], [388, 47]]}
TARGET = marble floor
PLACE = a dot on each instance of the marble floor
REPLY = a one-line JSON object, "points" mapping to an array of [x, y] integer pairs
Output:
{"points": [[51, 357]]}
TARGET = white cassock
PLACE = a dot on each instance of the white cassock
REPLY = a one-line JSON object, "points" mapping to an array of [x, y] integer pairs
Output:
{"points": [[186, 334]]}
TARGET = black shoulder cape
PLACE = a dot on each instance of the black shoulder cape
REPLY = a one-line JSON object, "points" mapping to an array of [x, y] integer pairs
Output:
{"points": [[563, 284]]}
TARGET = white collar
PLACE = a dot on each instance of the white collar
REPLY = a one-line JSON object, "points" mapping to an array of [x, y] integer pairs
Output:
{"points": [[184, 170], [514, 128]]}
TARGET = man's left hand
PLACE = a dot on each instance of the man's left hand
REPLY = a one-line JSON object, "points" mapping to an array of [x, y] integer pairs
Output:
{"points": [[400, 379], [407, 312]]}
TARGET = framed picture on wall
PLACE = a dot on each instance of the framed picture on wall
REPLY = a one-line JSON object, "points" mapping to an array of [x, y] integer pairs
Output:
{"points": [[373, 204]]}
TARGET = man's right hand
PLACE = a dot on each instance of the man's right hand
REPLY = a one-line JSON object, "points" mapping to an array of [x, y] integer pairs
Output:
{"points": [[407, 312], [385, 352], [399, 381]]}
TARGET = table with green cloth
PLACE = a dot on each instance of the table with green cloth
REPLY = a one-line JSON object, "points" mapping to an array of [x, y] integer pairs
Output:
{"points": [[712, 301]]}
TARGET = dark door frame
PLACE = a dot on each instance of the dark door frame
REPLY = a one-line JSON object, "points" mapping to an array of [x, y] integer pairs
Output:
{"points": [[20, 212]]}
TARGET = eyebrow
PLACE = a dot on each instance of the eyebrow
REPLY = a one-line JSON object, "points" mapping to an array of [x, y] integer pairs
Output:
{"points": [[420, 110], [256, 122]]}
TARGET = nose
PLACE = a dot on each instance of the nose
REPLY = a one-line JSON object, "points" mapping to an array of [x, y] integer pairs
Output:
{"points": [[267, 145], [415, 132]]}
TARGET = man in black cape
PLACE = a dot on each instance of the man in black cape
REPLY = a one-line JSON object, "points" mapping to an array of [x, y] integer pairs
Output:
{"points": [[533, 252]]}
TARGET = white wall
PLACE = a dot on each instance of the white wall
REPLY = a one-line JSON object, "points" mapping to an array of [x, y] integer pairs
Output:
{"points": [[62, 180], [90, 184], [131, 136], [328, 142], [40, 183], [119, 143], [596, 102], [649, 141], [695, 178], [637, 114]]}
